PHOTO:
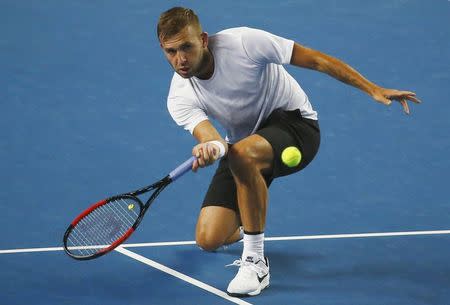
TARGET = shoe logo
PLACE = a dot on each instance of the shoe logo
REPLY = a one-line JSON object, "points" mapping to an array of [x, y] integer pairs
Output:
{"points": [[249, 259], [260, 279]]}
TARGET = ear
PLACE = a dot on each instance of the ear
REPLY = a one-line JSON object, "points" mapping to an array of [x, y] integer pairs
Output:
{"points": [[204, 37]]}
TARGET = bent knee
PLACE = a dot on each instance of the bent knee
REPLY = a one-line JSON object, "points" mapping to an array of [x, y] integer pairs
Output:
{"points": [[243, 156], [251, 154], [208, 242]]}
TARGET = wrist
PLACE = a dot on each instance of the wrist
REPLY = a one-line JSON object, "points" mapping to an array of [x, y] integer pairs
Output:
{"points": [[221, 147], [372, 89]]}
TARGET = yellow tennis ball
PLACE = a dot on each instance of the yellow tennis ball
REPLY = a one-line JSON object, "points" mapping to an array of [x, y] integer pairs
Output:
{"points": [[291, 156], [130, 206]]}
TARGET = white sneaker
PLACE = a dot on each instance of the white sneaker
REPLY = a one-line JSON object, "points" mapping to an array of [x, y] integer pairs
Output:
{"points": [[251, 278]]}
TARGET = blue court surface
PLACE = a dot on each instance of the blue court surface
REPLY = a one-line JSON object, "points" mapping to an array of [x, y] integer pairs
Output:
{"points": [[83, 86]]}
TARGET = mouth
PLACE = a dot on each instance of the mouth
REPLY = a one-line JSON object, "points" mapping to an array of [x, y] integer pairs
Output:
{"points": [[184, 70]]}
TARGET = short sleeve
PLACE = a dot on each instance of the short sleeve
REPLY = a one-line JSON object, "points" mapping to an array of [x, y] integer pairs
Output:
{"points": [[185, 113], [263, 47]]}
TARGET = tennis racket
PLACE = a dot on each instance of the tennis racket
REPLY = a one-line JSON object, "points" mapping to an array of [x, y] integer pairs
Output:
{"points": [[109, 222]]}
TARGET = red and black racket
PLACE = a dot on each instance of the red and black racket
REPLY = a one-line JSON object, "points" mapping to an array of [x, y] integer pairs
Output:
{"points": [[108, 223]]}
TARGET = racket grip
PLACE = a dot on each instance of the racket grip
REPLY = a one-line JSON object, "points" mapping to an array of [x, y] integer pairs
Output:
{"points": [[181, 169]]}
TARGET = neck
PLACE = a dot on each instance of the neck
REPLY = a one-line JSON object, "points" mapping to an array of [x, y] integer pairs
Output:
{"points": [[208, 66]]}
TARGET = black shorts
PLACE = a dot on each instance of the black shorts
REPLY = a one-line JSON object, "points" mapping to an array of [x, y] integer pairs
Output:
{"points": [[281, 129]]}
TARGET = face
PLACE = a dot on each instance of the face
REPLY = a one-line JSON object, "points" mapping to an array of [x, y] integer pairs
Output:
{"points": [[185, 51]]}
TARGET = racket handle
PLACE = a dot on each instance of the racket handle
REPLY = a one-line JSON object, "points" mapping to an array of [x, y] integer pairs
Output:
{"points": [[181, 169]]}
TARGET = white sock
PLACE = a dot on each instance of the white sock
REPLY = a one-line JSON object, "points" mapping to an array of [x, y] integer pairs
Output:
{"points": [[253, 247]]}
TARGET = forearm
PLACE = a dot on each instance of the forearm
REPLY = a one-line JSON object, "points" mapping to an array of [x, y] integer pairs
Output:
{"points": [[205, 132], [315, 60], [343, 72]]}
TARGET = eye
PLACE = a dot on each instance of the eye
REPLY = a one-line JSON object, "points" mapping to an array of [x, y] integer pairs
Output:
{"points": [[186, 47], [171, 51]]}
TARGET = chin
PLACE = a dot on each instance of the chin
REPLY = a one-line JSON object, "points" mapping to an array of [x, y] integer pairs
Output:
{"points": [[184, 75]]}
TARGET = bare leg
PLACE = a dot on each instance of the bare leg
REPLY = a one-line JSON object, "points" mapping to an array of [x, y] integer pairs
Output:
{"points": [[236, 236], [249, 158], [216, 226]]}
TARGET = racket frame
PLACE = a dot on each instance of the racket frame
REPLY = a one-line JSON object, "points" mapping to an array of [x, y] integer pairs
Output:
{"points": [[158, 187]]}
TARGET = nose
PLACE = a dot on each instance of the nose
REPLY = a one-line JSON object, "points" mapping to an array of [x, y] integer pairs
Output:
{"points": [[181, 57]]}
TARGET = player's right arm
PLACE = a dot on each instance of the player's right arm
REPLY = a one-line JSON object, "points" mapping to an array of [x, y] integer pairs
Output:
{"points": [[206, 152], [188, 112]]}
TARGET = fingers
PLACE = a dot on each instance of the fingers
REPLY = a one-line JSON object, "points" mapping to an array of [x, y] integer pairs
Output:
{"points": [[213, 151], [206, 154], [405, 105], [195, 166], [403, 97], [414, 99], [408, 95]]}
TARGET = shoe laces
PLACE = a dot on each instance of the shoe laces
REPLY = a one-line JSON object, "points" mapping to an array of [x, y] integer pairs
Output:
{"points": [[237, 262], [244, 265]]}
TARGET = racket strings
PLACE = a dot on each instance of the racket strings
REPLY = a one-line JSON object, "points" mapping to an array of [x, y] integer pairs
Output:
{"points": [[103, 226], [106, 231]]}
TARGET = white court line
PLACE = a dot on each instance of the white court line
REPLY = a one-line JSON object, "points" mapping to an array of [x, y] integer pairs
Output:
{"points": [[281, 238], [160, 244], [29, 250], [181, 276], [359, 235]]}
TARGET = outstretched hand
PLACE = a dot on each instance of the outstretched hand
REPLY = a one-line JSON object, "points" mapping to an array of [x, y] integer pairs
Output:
{"points": [[386, 96]]}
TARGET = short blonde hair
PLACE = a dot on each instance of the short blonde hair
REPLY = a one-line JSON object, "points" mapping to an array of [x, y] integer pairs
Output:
{"points": [[174, 20]]}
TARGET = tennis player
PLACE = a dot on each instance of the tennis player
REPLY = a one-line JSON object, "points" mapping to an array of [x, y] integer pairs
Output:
{"points": [[237, 78]]}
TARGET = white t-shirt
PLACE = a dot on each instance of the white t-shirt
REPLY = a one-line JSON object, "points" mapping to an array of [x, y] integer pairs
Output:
{"points": [[248, 83]]}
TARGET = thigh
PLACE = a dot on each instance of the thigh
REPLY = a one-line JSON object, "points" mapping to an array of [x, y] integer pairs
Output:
{"points": [[222, 189], [219, 216], [287, 128]]}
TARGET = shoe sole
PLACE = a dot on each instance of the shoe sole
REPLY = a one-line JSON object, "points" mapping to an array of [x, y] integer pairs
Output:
{"points": [[264, 284]]}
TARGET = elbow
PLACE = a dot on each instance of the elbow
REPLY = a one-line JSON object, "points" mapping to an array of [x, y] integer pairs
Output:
{"points": [[307, 58]]}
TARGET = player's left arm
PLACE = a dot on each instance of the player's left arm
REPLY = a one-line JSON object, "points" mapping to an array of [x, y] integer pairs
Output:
{"points": [[312, 59]]}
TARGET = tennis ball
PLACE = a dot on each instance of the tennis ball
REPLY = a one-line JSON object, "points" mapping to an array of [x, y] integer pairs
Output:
{"points": [[291, 156], [130, 206]]}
